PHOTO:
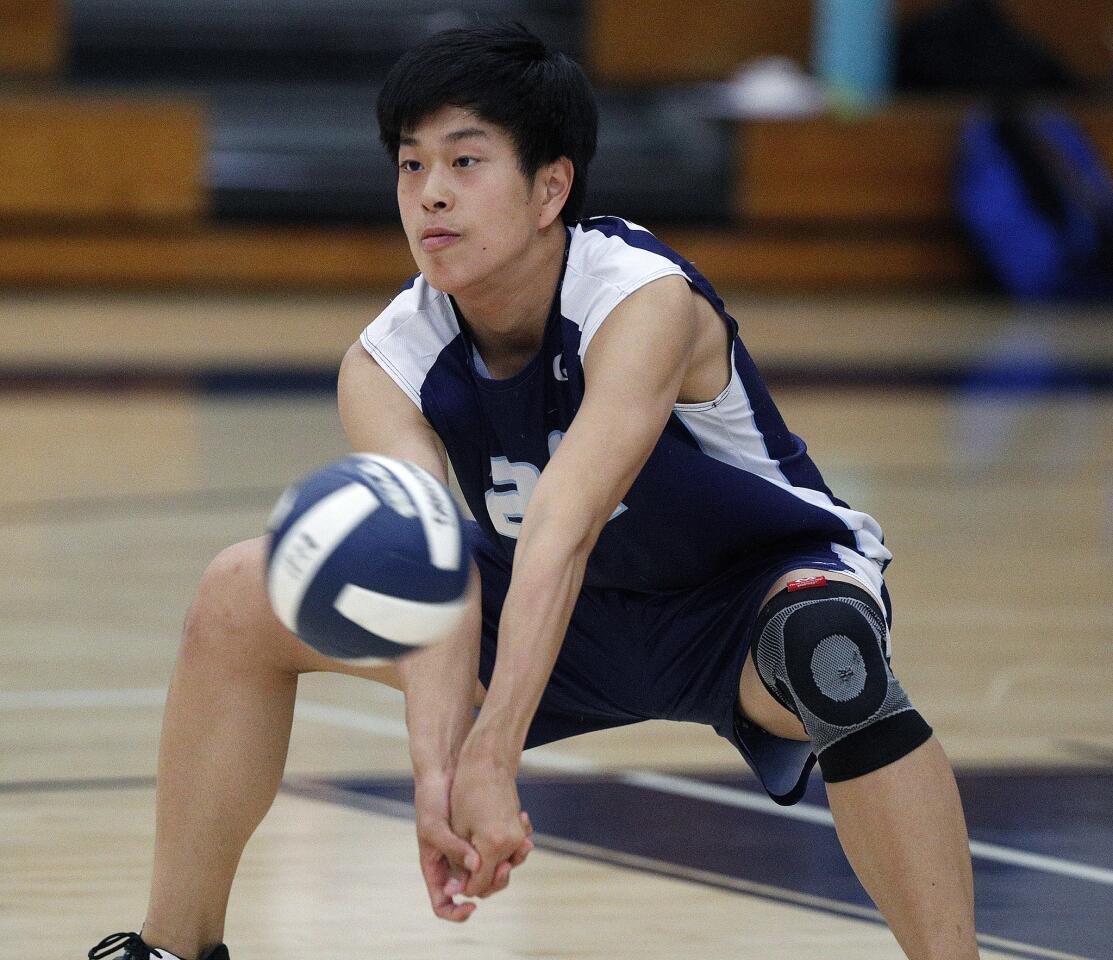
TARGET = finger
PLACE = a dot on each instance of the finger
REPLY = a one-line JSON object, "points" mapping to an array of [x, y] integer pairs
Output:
{"points": [[434, 870], [501, 879], [518, 857], [479, 883], [527, 825], [448, 909], [456, 850]]}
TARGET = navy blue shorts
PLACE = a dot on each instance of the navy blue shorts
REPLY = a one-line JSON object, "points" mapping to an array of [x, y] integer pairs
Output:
{"points": [[629, 657]]}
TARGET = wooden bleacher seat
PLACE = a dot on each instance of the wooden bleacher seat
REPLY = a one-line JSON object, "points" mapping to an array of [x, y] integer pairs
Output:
{"points": [[32, 37], [203, 256], [110, 192], [892, 167], [666, 41], [322, 258], [824, 204], [867, 198], [68, 158]]}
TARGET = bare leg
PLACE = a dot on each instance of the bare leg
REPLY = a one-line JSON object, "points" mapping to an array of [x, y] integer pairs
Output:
{"points": [[902, 829], [224, 740]]}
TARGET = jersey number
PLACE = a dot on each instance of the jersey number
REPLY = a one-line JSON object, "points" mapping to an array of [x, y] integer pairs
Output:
{"points": [[507, 506]]}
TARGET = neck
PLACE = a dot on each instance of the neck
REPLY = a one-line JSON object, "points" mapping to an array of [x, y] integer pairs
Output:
{"points": [[507, 313]]}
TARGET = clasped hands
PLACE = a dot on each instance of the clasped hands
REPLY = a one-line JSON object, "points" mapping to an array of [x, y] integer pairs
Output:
{"points": [[471, 833]]}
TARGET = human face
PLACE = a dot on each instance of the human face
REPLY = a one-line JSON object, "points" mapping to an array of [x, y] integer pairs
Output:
{"points": [[469, 213]]}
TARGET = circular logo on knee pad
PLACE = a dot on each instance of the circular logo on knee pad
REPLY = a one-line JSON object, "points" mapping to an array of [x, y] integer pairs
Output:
{"points": [[838, 669], [834, 661]]}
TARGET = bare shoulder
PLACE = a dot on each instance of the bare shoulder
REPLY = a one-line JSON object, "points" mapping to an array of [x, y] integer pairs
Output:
{"points": [[669, 297], [657, 318], [363, 380], [379, 417], [668, 326]]}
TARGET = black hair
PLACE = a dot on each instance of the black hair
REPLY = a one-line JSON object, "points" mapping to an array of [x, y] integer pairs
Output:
{"points": [[507, 76]]}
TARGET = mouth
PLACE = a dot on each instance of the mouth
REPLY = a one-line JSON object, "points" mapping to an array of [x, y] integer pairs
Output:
{"points": [[437, 238]]}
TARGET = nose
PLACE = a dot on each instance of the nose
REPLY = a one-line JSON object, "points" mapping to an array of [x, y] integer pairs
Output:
{"points": [[436, 194]]}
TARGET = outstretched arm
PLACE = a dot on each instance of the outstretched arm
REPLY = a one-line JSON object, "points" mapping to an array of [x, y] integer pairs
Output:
{"points": [[439, 680], [378, 417], [633, 370]]}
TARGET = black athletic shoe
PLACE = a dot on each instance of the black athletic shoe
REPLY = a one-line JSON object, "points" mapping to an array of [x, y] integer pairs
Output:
{"points": [[135, 949]]}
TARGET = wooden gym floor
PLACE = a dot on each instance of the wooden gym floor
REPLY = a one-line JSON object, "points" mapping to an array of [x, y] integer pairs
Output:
{"points": [[986, 452]]}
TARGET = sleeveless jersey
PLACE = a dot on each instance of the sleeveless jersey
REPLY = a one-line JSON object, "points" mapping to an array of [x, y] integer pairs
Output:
{"points": [[727, 484]]}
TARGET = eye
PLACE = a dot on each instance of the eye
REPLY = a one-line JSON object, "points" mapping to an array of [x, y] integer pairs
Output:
{"points": [[466, 161], [409, 166]]}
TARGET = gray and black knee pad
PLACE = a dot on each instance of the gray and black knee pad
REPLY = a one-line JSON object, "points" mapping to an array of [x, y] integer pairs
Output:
{"points": [[822, 653]]}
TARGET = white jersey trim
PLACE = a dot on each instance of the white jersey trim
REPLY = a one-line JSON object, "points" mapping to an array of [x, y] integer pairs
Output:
{"points": [[603, 271], [408, 336], [725, 428]]}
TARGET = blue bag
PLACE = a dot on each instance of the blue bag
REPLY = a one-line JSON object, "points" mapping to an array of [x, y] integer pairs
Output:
{"points": [[1037, 203]]}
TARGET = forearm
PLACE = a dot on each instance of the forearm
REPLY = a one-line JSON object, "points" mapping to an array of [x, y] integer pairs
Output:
{"points": [[538, 606], [439, 685]]}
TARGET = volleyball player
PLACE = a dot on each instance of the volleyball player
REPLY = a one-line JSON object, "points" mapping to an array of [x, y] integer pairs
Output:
{"points": [[651, 540]]}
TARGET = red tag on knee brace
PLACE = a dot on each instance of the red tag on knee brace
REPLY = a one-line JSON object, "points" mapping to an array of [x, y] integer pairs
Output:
{"points": [[794, 585]]}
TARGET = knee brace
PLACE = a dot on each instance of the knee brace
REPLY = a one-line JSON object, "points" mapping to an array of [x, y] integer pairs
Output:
{"points": [[822, 653]]}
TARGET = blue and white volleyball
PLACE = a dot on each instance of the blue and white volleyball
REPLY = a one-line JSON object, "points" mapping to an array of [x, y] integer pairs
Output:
{"points": [[368, 560]]}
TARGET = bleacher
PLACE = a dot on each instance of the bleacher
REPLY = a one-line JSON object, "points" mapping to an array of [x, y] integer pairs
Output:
{"points": [[712, 37], [32, 38], [88, 160], [155, 144]]}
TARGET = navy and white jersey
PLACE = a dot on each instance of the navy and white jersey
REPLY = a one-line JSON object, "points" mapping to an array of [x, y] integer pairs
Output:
{"points": [[727, 484]]}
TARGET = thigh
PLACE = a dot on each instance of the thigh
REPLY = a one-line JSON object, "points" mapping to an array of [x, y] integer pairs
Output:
{"points": [[232, 613], [629, 657], [232, 604]]}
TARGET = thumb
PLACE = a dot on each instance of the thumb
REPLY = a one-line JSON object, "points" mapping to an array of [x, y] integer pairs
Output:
{"points": [[457, 851]]}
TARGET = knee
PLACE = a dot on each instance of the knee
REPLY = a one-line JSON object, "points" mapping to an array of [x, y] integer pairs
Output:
{"points": [[230, 617], [822, 654]]}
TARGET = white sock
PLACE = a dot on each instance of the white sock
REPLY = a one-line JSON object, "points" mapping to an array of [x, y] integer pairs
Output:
{"points": [[166, 954]]}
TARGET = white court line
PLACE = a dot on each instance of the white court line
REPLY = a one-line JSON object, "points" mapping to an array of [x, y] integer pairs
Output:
{"points": [[813, 813], [1090, 616], [1022, 673], [79, 699], [664, 868], [551, 761], [709, 878]]}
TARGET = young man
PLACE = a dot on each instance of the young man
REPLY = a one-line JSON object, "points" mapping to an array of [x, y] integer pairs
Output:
{"points": [[652, 542]]}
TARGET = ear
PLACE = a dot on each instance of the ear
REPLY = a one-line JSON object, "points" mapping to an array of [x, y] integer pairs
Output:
{"points": [[554, 180]]}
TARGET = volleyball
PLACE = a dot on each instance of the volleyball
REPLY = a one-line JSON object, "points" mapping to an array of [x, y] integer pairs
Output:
{"points": [[367, 559]]}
